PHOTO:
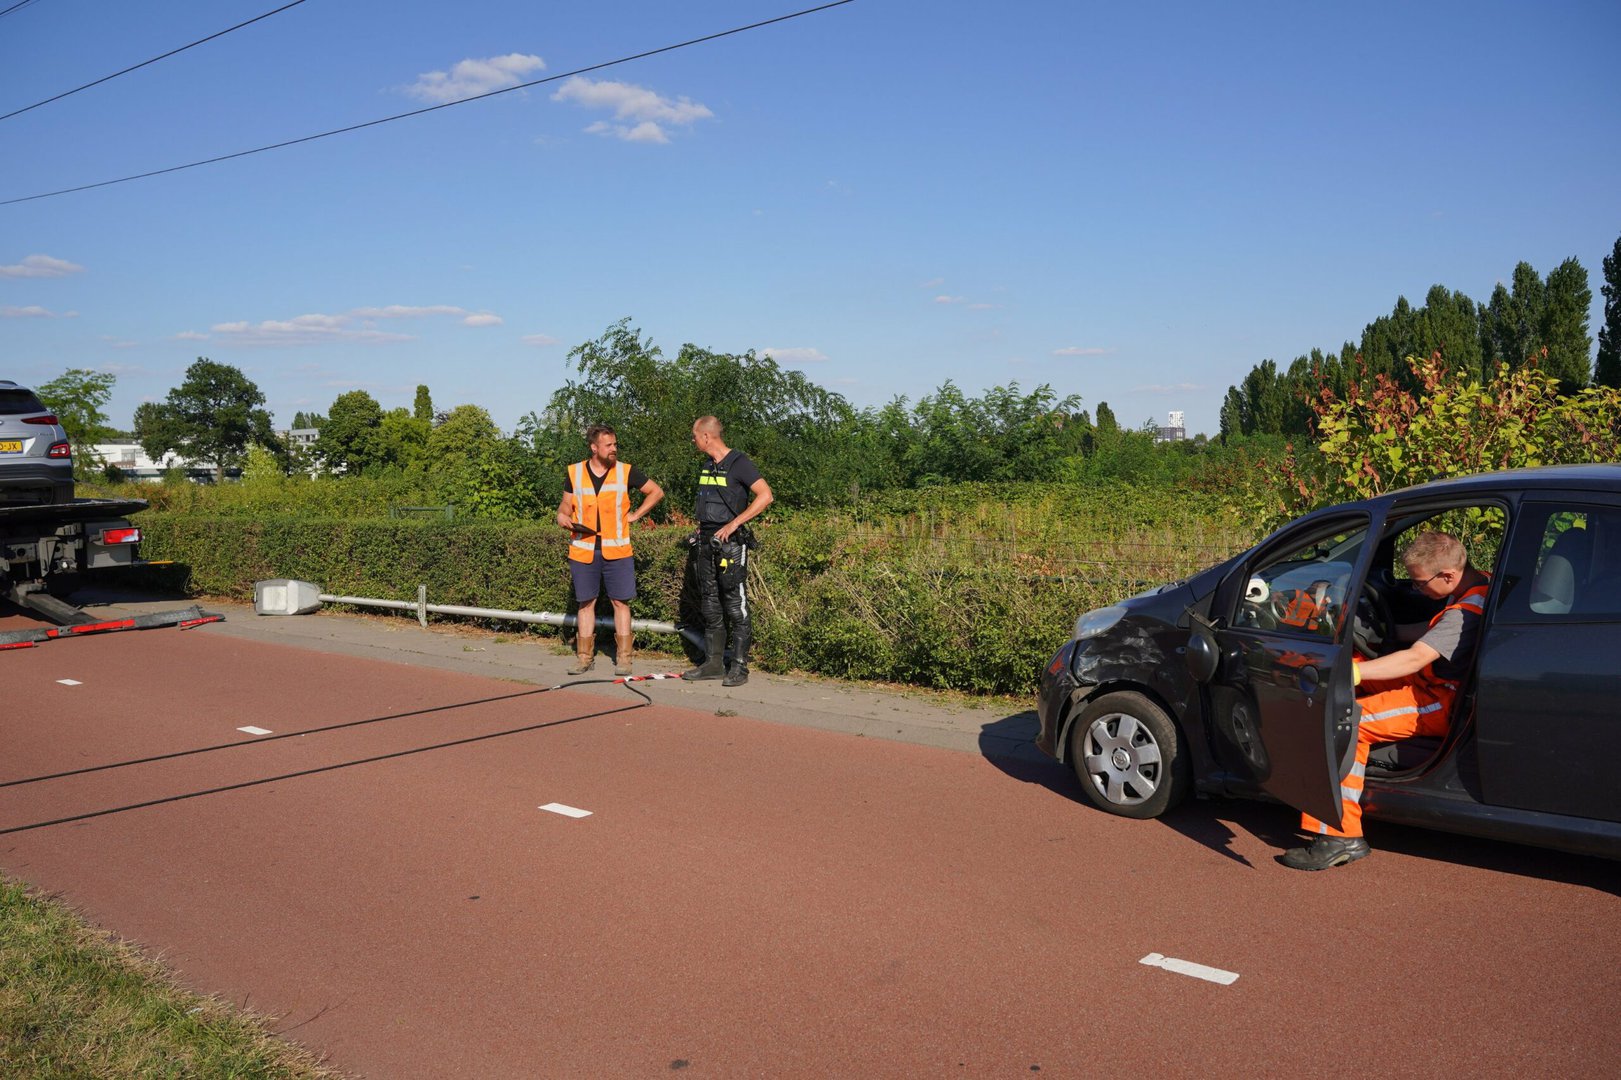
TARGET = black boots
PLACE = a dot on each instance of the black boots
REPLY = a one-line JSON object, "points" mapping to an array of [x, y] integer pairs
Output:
{"points": [[1326, 851], [714, 665]]}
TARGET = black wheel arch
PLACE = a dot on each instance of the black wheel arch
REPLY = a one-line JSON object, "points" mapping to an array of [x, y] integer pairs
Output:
{"points": [[1085, 695]]}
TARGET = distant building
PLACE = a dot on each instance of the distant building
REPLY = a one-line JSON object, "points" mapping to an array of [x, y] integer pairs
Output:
{"points": [[1175, 429], [301, 438], [129, 459]]}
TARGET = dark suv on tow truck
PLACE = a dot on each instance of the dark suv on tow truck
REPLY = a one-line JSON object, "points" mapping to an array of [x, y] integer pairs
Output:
{"points": [[36, 461], [1237, 680]]}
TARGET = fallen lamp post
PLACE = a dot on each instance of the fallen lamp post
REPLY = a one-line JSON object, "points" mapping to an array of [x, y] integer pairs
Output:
{"points": [[285, 596]]}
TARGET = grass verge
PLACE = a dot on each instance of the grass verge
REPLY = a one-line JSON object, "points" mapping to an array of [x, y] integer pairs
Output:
{"points": [[77, 1002]]}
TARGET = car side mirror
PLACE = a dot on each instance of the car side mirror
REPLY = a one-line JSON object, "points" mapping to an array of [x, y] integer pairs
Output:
{"points": [[1201, 657]]}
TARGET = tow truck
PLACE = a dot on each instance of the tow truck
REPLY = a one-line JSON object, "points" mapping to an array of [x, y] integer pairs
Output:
{"points": [[45, 551]]}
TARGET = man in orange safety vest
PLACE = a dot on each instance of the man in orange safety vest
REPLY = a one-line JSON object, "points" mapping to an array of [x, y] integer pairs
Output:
{"points": [[1406, 693], [596, 510]]}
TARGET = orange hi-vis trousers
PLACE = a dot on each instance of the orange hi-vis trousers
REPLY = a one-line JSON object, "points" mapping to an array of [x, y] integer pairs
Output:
{"points": [[1396, 709]]}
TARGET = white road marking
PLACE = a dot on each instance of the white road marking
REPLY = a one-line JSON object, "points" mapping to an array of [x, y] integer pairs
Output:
{"points": [[70, 682], [1188, 967], [566, 811], [254, 730]]}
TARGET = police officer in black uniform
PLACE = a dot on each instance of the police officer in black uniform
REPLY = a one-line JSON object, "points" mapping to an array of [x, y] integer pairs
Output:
{"points": [[731, 493]]}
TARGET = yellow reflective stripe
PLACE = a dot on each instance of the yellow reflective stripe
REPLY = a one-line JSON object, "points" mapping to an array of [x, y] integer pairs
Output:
{"points": [[621, 485], [713, 481]]}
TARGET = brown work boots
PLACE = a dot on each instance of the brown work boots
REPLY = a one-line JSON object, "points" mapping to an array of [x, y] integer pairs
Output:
{"points": [[586, 648]]}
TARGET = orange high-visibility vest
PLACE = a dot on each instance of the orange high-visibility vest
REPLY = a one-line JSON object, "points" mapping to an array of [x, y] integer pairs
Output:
{"points": [[1474, 599], [605, 511]]}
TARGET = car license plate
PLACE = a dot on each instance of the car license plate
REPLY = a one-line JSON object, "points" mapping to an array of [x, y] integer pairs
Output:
{"points": [[10, 446]]}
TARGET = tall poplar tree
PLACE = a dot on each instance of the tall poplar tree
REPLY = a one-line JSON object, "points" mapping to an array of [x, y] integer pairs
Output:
{"points": [[1562, 326], [1608, 371]]}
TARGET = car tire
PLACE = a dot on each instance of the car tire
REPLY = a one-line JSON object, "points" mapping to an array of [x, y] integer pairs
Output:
{"points": [[1128, 756]]}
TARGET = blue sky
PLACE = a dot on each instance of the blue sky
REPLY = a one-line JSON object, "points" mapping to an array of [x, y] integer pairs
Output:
{"points": [[1133, 203]]}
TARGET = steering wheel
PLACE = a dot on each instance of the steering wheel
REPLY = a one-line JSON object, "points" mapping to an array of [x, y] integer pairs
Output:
{"points": [[1374, 627]]}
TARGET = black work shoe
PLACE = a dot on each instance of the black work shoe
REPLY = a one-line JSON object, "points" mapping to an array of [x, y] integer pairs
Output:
{"points": [[737, 675], [1326, 851], [709, 669]]}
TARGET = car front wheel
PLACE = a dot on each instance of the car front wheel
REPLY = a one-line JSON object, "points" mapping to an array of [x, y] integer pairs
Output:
{"points": [[1128, 756]]}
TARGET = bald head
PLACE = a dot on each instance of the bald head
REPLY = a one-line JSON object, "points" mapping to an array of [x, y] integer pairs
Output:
{"points": [[706, 437]]}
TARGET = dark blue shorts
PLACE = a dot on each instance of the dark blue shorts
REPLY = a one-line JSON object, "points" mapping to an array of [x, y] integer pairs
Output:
{"points": [[618, 574]]}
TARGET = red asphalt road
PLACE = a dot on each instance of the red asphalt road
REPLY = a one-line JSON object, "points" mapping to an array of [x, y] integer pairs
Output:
{"points": [[749, 898]]}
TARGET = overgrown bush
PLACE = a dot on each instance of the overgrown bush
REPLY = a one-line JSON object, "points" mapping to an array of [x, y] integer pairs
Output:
{"points": [[1381, 435], [935, 598]]}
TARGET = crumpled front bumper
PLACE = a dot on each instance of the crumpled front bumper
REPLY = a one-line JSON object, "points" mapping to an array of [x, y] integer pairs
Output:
{"points": [[1058, 685]]}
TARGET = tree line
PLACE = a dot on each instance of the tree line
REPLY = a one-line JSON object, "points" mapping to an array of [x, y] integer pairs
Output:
{"points": [[1533, 320], [817, 448]]}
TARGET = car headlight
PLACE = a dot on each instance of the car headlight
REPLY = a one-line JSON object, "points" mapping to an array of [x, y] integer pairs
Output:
{"points": [[1097, 621]]}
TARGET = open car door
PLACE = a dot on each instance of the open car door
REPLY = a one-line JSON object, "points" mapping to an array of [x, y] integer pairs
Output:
{"points": [[1281, 696]]}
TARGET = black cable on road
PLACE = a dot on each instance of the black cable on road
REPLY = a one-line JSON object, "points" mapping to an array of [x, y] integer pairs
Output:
{"points": [[143, 63], [262, 739], [428, 109], [644, 703]]}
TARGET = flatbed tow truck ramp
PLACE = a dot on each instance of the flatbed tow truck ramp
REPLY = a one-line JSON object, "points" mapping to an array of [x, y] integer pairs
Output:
{"points": [[45, 548]]}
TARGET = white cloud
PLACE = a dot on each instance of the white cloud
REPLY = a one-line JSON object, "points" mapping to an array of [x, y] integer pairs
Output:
{"points": [[539, 341], [470, 77], [640, 114], [356, 326], [802, 355], [38, 266], [303, 330], [32, 311], [948, 300], [1076, 350]]}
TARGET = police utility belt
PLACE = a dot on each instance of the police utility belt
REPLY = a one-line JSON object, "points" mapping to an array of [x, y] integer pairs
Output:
{"points": [[742, 535]]}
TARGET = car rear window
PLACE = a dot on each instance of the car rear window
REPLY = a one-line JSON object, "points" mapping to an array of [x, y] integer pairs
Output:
{"points": [[16, 402]]}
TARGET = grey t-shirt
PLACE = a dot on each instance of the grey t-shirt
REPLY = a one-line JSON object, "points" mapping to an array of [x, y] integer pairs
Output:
{"points": [[1453, 636]]}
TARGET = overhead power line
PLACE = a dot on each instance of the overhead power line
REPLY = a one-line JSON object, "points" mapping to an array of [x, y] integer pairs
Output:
{"points": [[143, 63], [430, 108], [18, 6]]}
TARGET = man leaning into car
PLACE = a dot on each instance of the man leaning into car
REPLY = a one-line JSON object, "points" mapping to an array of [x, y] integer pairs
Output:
{"points": [[1406, 693]]}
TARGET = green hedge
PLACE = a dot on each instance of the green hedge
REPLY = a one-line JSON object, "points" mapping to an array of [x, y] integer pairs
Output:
{"points": [[827, 597]]}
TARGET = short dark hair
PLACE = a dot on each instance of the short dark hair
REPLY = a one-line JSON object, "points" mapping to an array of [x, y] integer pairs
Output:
{"points": [[597, 431]]}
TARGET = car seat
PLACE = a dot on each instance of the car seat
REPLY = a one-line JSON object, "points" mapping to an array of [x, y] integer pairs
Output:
{"points": [[1562, 573]]}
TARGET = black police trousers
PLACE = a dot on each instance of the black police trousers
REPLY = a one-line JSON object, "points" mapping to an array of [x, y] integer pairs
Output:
{"points": [[721, 569]]}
